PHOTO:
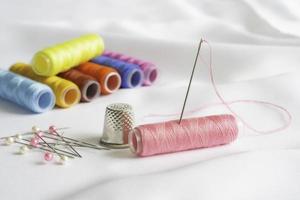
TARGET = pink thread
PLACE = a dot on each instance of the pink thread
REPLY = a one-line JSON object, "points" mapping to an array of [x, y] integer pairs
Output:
{"points": [[246, 124], [228, 103], [193, 133], [166, 137]]}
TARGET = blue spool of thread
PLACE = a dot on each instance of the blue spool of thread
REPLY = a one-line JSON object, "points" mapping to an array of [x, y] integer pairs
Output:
{"points": [[131, 74], [25, 92]]}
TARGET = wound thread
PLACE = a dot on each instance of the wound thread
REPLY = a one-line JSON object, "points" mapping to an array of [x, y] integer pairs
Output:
{"points": [[193, 133], [185, 134], [108, 78], [148, 68], [131, 75], [25, 92], [88, 85], [67, 93], [61, 57]]}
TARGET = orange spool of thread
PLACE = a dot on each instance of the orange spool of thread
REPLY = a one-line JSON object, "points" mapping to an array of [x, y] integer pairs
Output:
{"points": [[109, 78], [88, 85]]}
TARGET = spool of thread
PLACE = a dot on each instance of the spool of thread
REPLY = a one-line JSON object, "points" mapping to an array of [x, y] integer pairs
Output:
{"points": [[67, 93], [194, 133], [131, 75], [61, 57], [25, 92], [149, 69], [88, 85], [108, 78]]}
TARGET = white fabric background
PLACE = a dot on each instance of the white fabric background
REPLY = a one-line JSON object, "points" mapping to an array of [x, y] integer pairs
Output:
{"points": [[256, 50]]}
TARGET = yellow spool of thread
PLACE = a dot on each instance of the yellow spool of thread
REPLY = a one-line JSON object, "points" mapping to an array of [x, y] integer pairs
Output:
{"points": [[66, 92], [61, 57]]}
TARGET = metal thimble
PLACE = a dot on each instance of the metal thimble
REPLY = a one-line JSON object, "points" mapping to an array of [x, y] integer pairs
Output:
{"points": [[119, 121]]}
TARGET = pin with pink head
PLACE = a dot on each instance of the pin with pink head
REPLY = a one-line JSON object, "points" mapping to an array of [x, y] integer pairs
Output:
{"points": [[34, 142], [53, 130], [48, 156]]}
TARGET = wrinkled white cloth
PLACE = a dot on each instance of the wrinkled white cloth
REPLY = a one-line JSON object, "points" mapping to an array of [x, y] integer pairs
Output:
{"points": [[256, 50]]}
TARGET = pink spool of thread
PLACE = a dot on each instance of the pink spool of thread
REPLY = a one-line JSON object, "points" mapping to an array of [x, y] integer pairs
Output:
{"points": [[149, 69], [193, 133]]}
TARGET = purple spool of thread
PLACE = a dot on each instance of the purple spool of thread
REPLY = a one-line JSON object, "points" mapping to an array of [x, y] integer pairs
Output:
{"points": [[149, 69]]}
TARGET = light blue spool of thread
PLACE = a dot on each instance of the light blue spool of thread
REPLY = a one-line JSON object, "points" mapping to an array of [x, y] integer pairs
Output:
{"points": [[131, 74], [25, 92]]}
